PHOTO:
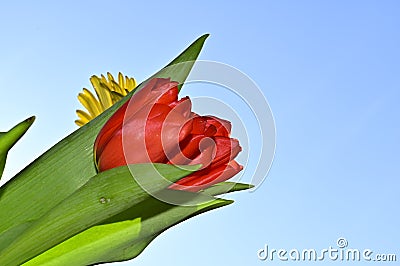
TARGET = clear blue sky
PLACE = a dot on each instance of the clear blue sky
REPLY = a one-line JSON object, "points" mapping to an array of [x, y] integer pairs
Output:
{"points": [[329, 69]]}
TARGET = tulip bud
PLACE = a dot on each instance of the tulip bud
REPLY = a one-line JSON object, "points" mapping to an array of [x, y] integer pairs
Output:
{"points": [[154, 126]]}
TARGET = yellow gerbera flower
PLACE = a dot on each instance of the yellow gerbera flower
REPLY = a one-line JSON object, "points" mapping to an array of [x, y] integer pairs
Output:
{"points": [[108, 92]]}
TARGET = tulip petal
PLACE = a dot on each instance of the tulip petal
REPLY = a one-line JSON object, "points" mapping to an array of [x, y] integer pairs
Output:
{"points": [[227, 150], [207, 149], [156, 90], [207, 177], [223, 126], [112, 154], [169, 92], [189, 149], [108, 130]]}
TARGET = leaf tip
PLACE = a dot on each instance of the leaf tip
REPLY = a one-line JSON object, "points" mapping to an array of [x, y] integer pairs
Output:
{"points": [[30, 120]]}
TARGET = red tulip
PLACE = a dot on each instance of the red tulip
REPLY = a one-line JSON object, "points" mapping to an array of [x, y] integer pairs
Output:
{"points": [[154, 126]]}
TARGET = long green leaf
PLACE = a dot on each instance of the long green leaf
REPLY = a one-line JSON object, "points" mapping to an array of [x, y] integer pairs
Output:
{"points": [[8, 139], [8, 236], [66, 166], [226, 187], [165, 218], [180, 67], [156, 217], [104, 196], [87, 247]]}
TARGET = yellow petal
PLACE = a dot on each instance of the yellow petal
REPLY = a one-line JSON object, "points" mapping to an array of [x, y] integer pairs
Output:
{"points": [[108, 91], [80, 123], [121, 80], [84, 116], [102, 91], [110, 77], [88, 104]]}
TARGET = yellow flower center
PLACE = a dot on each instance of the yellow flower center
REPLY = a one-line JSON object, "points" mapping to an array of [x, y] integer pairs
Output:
{"points": [[108, 92]]}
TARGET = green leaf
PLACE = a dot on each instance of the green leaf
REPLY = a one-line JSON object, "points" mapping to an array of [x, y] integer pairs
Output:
{"points": [[8, 139], [163, 216], [158, 216], [89, 246], [68, 165], [180, 67], [226, 187], [8, 236], [104, 196], [155, 225]]}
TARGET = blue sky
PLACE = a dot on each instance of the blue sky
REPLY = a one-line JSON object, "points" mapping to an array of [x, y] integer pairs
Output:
{"points": [[329, 69]]}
